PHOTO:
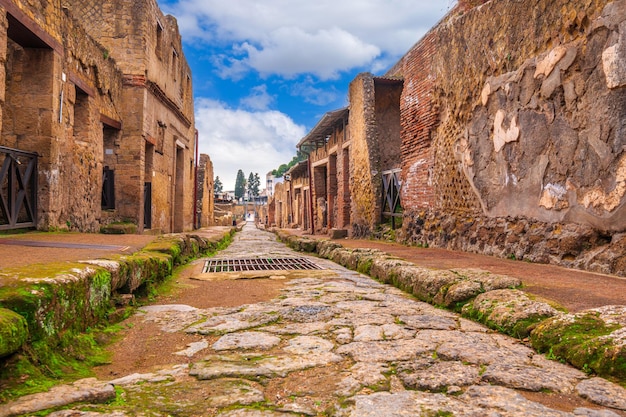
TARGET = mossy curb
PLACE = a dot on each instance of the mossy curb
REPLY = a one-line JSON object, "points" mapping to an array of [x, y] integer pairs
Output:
{"points": [[13, 331], [590, 340], [56, 300], [586, 341]]}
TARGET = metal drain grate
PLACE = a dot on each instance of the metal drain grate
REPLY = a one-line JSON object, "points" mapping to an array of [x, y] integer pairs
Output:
{"points": [[257, 264]]}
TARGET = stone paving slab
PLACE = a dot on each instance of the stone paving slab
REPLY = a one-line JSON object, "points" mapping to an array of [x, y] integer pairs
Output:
{"points": [[372, 350]]}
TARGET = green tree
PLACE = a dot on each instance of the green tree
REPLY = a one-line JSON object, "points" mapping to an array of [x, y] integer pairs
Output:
{"points": [[253, 184], [280, 171], [218, 187], [240, 184]]}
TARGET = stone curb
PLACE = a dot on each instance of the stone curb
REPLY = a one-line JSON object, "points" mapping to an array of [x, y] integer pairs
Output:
{"points": [[493, 300], [54, 298]]}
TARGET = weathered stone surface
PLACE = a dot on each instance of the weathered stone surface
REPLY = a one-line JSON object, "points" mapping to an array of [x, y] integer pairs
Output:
{"points": [[84, 390], [193, 348], [237, 366], [594, 339], [476, 401], [511, 311], [529, 378], [506, 401], [603, 392], [437, 376], [246, 340], [383, 351], [231, 323], [363, 374], [228, 392]]}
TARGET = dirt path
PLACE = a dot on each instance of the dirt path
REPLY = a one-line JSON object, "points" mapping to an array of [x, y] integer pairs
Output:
{"points": [[141, 344]]}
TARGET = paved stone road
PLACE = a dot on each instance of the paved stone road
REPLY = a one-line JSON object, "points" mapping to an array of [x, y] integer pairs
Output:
{"points": [[337, 343]]}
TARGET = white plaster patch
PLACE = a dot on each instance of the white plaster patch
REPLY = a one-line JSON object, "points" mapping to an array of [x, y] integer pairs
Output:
{"points": [[552, 195], [484, 95], [545, 66], [502, 135], [614, 65], [598, 198]]}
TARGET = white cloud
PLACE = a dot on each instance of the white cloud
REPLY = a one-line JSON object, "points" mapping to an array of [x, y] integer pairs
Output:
{"points": [[253, 141], [323, 37], [314, 95], [259, 99], [290, 51]]}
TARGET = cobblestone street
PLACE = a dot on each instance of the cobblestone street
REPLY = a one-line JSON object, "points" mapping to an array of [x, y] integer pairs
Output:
{"points": [[335, 343]]}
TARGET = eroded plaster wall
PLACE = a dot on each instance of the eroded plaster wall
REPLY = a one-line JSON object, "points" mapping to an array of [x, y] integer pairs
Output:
{"points": [[513, 113]]}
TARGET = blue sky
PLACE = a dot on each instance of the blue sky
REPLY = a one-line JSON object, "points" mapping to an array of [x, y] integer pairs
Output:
{"points": [[265, 71]]}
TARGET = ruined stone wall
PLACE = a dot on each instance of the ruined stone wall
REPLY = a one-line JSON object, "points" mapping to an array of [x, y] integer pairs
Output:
{"points": [[158, 139], [56, 91], [362, 174], [521, 132], [281, 205], [205, 205], [375, 146], [387, 110]]}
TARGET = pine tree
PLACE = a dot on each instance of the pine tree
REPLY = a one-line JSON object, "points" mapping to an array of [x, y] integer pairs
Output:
{"points": [[218, 187], [240, 185], [253, 184], [257, 184]]}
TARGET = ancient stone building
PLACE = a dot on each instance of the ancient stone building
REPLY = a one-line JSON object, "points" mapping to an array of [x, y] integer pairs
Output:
{"points": [[500, 132], [105, 110], [328, 146], [512, 127], [205, 202], [374, 162], [153, 155], [353, 152]]}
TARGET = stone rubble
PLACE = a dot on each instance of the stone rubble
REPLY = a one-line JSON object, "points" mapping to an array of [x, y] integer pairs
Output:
{"points": [[383, 354]]}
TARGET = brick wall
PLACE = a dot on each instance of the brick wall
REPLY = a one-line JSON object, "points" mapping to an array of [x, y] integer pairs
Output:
{"points": [[419, 118], [511, 117]]}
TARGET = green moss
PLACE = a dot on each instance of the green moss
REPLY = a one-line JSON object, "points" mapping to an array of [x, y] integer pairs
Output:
{"points": [[60, 307], [364, 265], [45, 363], [13, 331], [580, 342]]}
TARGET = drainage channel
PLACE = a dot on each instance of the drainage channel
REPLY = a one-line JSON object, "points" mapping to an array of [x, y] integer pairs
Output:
{"points": [[257, 264]]}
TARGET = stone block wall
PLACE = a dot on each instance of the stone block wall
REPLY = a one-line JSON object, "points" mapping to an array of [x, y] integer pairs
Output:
{"points": [[55, 96], [363, 176], [205, 201], [375, 145], [157, 144], [513, 112]]}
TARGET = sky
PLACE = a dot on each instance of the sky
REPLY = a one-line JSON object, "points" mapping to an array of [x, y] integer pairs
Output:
{"points": [[265, 71]]}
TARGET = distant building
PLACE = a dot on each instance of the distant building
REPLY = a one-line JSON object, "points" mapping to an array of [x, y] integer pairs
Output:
{"points": [[271, 182]]}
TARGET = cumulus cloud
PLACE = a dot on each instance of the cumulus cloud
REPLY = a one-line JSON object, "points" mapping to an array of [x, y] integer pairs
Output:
{"points": [[259, 99], [323, 37], [253, 141], [312, 94]]}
